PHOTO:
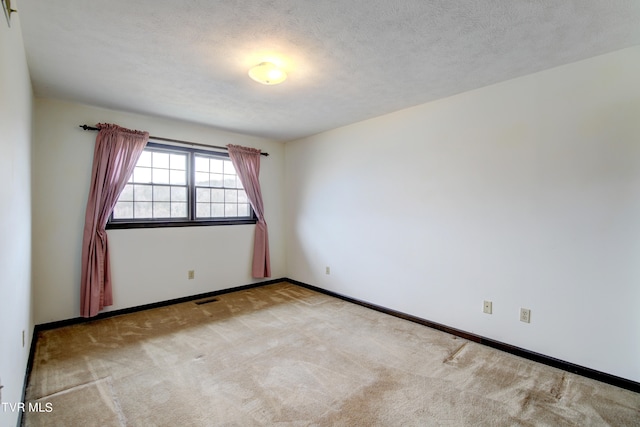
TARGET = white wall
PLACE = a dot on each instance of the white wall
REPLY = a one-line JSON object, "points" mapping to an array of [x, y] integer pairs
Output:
{"points": [[526, 193], [148, 265], [15, 215]]}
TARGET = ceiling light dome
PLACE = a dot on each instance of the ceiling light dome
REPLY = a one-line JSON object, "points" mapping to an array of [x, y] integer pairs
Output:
{"points": [[267, 73]]}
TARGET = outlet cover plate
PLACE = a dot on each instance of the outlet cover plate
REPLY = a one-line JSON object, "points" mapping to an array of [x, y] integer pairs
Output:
{"points": [[488, 307]]}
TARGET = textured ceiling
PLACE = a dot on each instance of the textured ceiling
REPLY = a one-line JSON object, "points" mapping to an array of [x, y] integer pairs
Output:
{"points": [[348, 60]]}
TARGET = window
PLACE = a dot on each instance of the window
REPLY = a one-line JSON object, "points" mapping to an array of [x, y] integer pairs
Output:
{"points": [[175, 186]]}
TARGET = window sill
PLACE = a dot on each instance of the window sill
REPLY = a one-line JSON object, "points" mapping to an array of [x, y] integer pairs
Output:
{"points": [[162, 224]]}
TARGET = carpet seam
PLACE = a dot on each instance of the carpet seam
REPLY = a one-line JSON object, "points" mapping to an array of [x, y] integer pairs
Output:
{"points": [[116, 403]]}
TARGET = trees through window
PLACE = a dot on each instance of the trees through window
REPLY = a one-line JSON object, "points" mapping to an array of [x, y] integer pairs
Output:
{"points": [[176, 186]]}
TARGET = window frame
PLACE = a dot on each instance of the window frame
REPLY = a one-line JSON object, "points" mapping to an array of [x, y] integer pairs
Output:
{"points": [[191, 221]]}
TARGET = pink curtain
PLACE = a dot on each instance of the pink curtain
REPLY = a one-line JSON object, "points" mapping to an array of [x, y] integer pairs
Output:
{"points": [[247, 164], [116, 152]]}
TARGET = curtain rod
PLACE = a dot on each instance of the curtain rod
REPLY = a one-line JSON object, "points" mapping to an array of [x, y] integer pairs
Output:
{"points": [[85, 127]]}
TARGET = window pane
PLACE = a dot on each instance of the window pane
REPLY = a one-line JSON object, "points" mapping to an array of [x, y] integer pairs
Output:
{"points": [[142, 210], [243, 210], [161, 193], [178, 210], [216, 166], [217, 209], [123, 210], [141, 174], [178, 161], [178, 177], [230, 210], [217, 195], [230, 196], [160, 187], [161, 160], [162, 210], [202, 164], [160, 176], [216, 180], [202, 179], [203, 195], [230, 181], [203, 210], [178, 194], [127, 193], [145, 159], [142, 193], [228, 167]]}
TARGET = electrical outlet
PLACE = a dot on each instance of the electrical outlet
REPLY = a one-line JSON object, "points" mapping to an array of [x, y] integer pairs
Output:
{"points": [[488, 307], [327, 270], [192, 274], [525, 315]]}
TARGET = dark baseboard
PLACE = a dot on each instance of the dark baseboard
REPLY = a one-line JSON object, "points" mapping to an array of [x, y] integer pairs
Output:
{"points": [[78, 320], [27, 373], [536, 357]]}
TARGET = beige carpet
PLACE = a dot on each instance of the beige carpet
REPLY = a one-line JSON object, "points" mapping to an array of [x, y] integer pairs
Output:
{"points": [[287, 356]]}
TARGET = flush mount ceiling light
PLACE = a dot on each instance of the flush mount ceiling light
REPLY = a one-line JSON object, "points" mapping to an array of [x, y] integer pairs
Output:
{"points": [[267, 73]]}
